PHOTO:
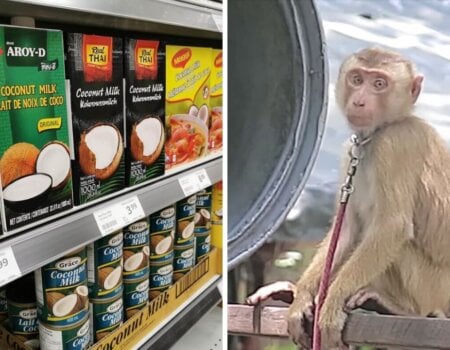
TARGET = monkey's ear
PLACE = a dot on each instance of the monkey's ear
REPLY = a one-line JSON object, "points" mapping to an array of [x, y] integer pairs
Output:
{"points": [[416, 87]]}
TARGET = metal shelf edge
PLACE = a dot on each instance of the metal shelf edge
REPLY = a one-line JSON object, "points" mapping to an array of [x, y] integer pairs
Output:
{"points": [[43, 244], [199, 17]]}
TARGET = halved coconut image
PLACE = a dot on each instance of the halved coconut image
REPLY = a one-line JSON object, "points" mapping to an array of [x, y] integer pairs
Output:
{"points": [[110, 277], [135, 262], [83, 296], [218, 212], [28, 192], [17, 161], [147, 140], [146, 250], [161, 244], [54, 160], [197, 218], [202, 217], [188, 230], [206, 214], [66, 306], [100, 151]]}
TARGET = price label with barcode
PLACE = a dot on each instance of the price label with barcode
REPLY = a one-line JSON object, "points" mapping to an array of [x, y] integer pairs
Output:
{"points": [[119, 215], [194, 182], [9, 269]]}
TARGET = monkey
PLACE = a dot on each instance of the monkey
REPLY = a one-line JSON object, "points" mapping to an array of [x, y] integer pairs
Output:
{"points": [[394, 246]]}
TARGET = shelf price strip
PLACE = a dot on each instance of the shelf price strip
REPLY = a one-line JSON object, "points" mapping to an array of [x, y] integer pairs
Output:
{"points": [[194, 182], [9, 269], [119, 215]]}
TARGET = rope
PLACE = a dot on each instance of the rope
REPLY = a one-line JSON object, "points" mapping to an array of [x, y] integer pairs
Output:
{"points": [[356, 153], [325, 278]]}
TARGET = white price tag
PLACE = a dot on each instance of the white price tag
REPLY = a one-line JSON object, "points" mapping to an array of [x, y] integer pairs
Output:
{"points": [[218, 20], [203, 179], [119, 215], [9, 269], [194, 182]]}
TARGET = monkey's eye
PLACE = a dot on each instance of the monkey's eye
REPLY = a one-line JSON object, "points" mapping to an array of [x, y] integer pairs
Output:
{"points": [[356, 79], [380, 83]]}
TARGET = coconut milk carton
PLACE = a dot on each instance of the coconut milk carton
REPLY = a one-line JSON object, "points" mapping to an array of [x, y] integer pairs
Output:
{"points": [[188, 71], [95, 67], [215, 126], [145, 82], [35, 161]]}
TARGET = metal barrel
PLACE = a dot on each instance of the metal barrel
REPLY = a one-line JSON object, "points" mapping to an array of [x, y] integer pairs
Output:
{"points": [[277, 101]]}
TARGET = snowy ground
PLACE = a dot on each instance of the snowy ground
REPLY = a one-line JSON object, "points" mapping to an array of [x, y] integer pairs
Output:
{"points": [[419, 29]]}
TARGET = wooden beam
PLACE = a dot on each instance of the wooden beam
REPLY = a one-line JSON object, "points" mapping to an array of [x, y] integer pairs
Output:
{"points": [[361, 328]]}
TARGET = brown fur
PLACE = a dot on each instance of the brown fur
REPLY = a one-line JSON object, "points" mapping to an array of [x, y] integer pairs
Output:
{"points": [[396, 236]]}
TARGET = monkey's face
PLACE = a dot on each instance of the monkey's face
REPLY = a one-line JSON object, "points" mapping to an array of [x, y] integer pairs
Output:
{"points": [[367, 93]]}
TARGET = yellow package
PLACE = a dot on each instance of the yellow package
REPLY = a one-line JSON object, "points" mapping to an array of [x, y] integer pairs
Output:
{"points": [[215, 129], [188, 72]]}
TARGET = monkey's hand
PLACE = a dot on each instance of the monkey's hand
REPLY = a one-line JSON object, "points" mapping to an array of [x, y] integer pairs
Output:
{"points": [[331, 322], [300, 319], [282, 290]]}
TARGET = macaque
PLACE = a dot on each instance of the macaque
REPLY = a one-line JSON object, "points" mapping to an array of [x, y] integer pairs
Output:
{"points": [[394, 247]]}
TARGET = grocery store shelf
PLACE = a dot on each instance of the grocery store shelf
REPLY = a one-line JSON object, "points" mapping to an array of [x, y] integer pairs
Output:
{"points": [[77, 227], [193, 18], [206, 334], [182, 319]]}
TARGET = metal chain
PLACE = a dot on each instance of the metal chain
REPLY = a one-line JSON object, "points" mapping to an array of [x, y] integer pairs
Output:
{"points": [[356, 154]]}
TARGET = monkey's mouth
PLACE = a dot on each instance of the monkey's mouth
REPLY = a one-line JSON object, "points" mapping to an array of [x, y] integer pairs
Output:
{"points": [[359, 121]]}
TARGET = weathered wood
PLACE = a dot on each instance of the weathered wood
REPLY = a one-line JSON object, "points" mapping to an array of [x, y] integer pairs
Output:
{"points": [[361, 329]]}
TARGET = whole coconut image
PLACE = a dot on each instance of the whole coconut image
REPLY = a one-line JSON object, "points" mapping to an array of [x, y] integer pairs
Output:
{"points": [[35, 169]]}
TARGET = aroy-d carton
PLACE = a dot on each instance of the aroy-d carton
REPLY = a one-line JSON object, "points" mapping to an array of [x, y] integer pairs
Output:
{"points": [[145, 80], [188, 71], [95, 67], [215, 127], [35, 162]]}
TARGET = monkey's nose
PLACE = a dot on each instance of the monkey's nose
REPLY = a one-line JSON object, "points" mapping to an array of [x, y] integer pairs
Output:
{"points": [[358, 103]]}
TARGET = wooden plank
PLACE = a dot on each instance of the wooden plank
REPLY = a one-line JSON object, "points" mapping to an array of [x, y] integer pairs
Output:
{"points": [[361, 329]]}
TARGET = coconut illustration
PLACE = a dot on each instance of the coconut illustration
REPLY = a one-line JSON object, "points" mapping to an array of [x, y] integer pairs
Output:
{"points": [[197, 219], [146, 251], [218, 212], [188, 230], [135, 262], [52, 298], [100, 151], [27, 192], [161, 244], [110, 277], [202, 217], [17, 161], [54, 160], [82, 292], [66, 306], [147, 140]]}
